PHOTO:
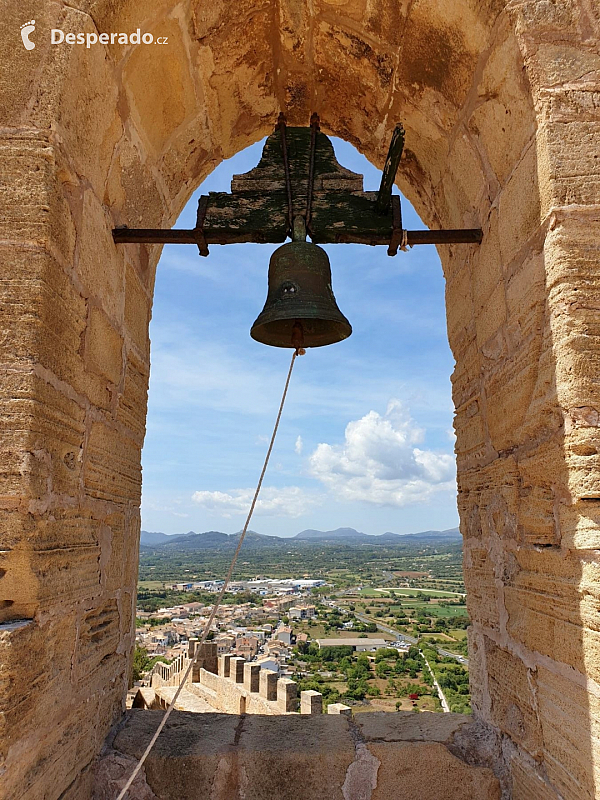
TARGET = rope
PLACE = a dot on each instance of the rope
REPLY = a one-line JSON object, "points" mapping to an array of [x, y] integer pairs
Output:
{"points": [[288, 181], [404, 242], [213, 613]]}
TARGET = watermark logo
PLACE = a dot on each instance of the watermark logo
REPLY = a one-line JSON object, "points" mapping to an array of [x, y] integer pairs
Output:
{"points": [[88, 39], [26, 29]]}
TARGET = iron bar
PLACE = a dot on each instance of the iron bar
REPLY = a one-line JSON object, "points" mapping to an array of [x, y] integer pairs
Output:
{"points": [[314, 128], [202, 206], [392, 161], [183, 236], [286, 167], [396, 238]]}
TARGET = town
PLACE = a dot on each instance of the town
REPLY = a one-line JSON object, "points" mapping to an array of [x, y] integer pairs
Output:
{"points": [[384, 649]]}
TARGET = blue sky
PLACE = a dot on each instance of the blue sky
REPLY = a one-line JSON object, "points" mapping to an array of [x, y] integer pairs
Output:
{"points": [[366, 437]]}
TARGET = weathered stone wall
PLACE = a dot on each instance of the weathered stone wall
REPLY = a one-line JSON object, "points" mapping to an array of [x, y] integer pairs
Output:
{"points": [[375, 756], [500, 99]]}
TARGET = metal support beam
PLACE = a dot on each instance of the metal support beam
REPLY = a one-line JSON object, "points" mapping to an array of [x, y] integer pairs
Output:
{"points": [[182, 236], [388, 177]]}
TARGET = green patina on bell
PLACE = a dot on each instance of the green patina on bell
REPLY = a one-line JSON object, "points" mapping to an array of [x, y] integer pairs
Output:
{"points": [[300, 310]]}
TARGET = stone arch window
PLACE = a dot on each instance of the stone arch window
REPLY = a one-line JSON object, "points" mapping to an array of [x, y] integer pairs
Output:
{"points": [[498, 102]]}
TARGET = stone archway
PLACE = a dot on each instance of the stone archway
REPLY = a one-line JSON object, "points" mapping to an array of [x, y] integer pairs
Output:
{"points": [[499, 100]]}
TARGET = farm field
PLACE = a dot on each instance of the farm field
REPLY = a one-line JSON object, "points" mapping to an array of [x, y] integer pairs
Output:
{"points": [[408, 592]]}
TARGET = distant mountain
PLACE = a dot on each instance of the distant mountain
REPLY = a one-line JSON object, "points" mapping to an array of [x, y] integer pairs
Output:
{"points": [[204, 541], [338, 533], [147, 537], [425, 536], [352, 536], [217, 539]]}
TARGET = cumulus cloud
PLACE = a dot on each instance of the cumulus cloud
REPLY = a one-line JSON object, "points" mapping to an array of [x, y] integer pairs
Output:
{"points": [[289, 501], [299, 445], [379, 462]]}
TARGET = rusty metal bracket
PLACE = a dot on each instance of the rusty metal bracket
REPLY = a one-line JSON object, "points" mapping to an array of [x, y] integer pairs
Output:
{"points": [[199, 229], [397, 233]]}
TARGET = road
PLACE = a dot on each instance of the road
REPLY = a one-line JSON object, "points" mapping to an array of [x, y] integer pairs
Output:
{"points": [[438, 688], [399, 635]]}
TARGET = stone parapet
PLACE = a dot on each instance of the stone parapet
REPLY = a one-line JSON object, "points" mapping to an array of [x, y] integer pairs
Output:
{"points": [[259, 692], [334, 757], [169, 674]]}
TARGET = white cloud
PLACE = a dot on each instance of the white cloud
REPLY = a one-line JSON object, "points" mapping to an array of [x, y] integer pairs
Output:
{"points": [[299, 445], [378, 462], [289, 501]]}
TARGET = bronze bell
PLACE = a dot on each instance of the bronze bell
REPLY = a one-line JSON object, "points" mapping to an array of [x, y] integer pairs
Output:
{"points": [[300, 310]]}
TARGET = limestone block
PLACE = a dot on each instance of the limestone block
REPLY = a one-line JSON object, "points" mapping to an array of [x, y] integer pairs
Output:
{"points": [[480, 583], [459, 306], [33, 208], [132, 194], [339, 708], [268, 684], [99, 635], [513, 706], [528, 781], [580, 526], [43, 313], [504, 118], [251, 677], [519, 210], [287, 695], [207, 658], [119, 550], [43, 437], [133, 400], [405, 726], [186, 757], [567, 166], [469, 427], [245, 41], [99, 264], [236, 666], [492, 316], [546, 612], [537, 520], [137, 310], [112, 465], [316, 765], [548, 20], [224, 666], [104, 347], [427, 62], [570, 720], [560, 63], [351, 67], [19, 89], [486, 267], [88, 108], [428, 771], [166, 67], [465, 175], [189, 158], [311, 702]]}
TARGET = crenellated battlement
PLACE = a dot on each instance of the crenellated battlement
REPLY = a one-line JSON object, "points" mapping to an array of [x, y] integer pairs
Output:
{"points": [[236, 687]]}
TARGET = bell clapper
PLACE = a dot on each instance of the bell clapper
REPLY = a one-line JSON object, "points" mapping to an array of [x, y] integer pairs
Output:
{"points": [[298, 336]]}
